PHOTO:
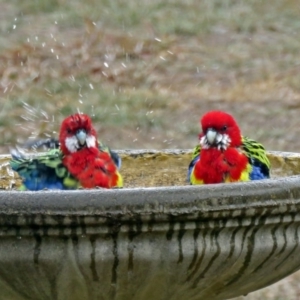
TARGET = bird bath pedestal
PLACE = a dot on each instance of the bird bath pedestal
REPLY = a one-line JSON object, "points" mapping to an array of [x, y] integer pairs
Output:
{"points": [[158, 238]]}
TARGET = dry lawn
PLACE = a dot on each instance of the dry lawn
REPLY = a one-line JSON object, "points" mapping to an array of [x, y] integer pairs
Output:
{"points": [[147, 70]]}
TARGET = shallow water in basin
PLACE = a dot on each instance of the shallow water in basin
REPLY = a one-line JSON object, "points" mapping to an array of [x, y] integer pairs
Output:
{"points": [[149, 168]]}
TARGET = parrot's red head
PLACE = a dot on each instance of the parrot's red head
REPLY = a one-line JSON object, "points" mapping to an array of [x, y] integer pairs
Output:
{"points": [[77, 132], [219, 130]]}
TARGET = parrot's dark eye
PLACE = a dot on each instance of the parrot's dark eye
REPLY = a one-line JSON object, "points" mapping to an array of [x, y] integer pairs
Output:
{"points": [[224, 128], [69, 130]]}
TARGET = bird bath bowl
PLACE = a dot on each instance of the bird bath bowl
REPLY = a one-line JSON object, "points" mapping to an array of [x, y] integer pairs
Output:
{"points": [[157, 239]]}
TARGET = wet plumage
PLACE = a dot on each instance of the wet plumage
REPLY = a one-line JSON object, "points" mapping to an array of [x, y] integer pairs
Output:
{"points": [[223, 155], [80, 161]]}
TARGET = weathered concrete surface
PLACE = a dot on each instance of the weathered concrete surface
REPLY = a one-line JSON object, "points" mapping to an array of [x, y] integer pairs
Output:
{"points": [[178, 243]]}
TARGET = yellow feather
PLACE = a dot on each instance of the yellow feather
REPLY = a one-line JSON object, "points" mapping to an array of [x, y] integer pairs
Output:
{"points": [[194, 180], [245, 175], [119, 181]]}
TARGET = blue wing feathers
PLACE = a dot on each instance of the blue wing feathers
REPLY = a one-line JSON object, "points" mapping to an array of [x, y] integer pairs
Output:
{"points": [[35, 174], [191, 166], [257, 173], [259, 170]]}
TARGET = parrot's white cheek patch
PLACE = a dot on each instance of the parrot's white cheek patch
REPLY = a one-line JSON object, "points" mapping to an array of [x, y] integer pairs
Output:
{"points": [[90, 141], [223, 142], [72, 144], [204, 142]]}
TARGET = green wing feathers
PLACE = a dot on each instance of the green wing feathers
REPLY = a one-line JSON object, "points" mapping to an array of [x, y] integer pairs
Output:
{"points": [[256, 151], [43, 172]]}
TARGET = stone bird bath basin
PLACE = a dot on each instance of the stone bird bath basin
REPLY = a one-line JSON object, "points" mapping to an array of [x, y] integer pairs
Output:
{"points": [[152, 240]]}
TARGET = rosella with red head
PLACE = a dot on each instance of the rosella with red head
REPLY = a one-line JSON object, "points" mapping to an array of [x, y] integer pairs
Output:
{"points": [[76, 133], [80, 160], [224, 155]]}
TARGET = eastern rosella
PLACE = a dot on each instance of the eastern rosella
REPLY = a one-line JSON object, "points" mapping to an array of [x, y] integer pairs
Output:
{"points": [[79, 161], [224, 155]]}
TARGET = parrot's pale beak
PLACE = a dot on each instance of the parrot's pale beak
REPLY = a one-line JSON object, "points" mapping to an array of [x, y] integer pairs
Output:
{"points": [[81, 136], [211, 136]]}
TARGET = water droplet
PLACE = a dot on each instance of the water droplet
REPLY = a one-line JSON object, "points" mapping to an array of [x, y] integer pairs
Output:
{"points": [[57, 57], [158, 40], [14, 26], [52, 50], [28, 40], [134, 140], [162, 58], [48, 92], [106, 65], [19, 237], [123, 65], [117, 107], [93, 111], [45, 114], [43, 45], [91, 86]]}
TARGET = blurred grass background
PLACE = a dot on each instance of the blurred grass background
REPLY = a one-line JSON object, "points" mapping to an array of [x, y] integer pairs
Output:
{"points": [[146, 71]]}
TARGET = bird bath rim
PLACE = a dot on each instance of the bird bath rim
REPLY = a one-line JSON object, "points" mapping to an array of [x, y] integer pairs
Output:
{"points": [[164, 201]]}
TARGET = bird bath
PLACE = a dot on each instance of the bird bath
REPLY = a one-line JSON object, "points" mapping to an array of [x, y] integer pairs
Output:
{"points": [[157, 239]]}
